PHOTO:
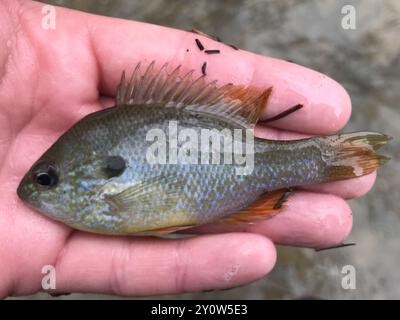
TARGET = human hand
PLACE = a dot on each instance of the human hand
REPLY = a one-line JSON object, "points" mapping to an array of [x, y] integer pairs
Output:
{"points": [[49, 79]]}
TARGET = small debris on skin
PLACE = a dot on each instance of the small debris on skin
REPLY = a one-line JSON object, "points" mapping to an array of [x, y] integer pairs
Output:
{"points": [[336, 247], [203, 68], [212, 51], [199, 44], [284, 113], [215, 38]]}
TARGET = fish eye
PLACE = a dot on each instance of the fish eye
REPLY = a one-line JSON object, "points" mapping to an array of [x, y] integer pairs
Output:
{"points": [[46, 177]]}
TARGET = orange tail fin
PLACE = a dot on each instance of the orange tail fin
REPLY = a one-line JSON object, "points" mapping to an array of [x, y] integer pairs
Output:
{"points": [[354, 154]]}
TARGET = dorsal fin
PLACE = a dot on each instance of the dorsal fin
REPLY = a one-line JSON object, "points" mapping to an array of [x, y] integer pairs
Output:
{"points": [[242, 105]]}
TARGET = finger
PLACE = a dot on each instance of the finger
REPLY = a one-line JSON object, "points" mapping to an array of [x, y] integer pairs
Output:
{"points": [[346, 189], [308, 220], [327, 106], [150, 266]]}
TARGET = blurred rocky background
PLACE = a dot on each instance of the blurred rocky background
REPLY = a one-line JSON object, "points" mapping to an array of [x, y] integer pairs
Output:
{"points": [[366, 61]]}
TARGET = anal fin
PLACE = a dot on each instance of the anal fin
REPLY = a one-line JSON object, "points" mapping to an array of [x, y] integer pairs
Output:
{"points": [[163, 231], [267, 206]]}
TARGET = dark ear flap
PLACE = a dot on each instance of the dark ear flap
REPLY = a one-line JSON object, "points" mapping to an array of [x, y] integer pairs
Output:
{"points": [[114, 166]]}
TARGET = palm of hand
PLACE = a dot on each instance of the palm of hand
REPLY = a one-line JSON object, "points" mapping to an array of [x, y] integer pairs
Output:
{"points": [[53, 97]]}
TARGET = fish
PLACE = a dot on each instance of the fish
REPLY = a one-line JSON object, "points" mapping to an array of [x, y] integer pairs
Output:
{"points": [[152, 165]]}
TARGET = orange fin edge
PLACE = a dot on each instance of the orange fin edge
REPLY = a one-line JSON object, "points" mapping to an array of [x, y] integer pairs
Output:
{"points": [[267, 206], [163, 231]]}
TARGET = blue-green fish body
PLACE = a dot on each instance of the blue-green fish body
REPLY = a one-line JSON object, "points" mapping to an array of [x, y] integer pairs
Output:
{"points": [[176, 152]]}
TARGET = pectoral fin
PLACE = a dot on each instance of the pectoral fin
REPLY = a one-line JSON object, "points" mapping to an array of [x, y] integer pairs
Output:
{"points": [[158, 193]]}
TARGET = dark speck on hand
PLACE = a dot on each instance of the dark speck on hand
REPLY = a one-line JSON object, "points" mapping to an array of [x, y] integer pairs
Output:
{"points": [[203, 68], [212, 51], [199, 45]]}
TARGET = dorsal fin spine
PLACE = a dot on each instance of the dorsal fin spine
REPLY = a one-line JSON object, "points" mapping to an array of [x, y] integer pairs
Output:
{"points": [[239, 104]]}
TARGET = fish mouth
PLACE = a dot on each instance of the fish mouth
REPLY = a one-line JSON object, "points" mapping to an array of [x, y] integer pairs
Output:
{"points": [[24, 191], [28, 195], [21, 190]]}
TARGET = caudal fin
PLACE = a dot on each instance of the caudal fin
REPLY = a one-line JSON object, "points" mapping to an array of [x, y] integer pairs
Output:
{"points": [[353, 154]]}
